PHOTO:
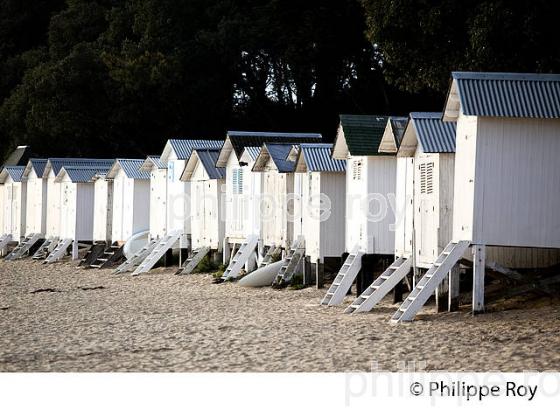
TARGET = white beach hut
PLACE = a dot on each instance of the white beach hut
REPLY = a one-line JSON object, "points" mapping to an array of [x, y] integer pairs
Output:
{"points": [[321, 180], [177, 202], [158, 195], [13, 187], [55, 198], [207, 203], [243, 192], [131, 199], [370, 196], [36, 213], [506, 165]]}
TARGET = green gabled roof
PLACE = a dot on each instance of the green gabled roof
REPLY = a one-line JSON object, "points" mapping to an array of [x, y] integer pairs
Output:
{"points": [[363, 133]]}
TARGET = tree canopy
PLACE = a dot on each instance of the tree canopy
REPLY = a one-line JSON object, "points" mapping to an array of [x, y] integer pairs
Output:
{"points": [[116, 78]]}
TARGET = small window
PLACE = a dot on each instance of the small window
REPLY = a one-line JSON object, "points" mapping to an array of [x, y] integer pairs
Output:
{"points": [[426, 178], [237, 181], [357, 170]]}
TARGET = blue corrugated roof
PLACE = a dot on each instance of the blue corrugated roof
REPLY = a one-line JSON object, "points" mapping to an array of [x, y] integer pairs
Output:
{"points": [[130, 167], [14, 171], [318, 158], [434, 135], [509, 94], [79, 174], [183, 148], [253, 152], [38, 165], [208, 159], [156, 159], [100, 164]]}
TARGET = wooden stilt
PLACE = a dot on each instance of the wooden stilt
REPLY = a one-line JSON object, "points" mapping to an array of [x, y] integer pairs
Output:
{"points": [[454, 288], [442, 295], [479, 252], [319, 275], [75, 250]]}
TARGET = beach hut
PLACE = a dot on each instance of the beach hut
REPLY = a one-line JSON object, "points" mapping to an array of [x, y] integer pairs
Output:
{"points": [[102, 208], [207, 196], [13, 187], [320, 219], [36, 213], [243, 193], [370, 193], [158, 195], [424, 204], [35, 208], [131, 199], [178, 201], [55, 197], [506, 168]]}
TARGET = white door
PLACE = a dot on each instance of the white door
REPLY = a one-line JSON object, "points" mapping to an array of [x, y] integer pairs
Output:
{"points": [[428, 223]]}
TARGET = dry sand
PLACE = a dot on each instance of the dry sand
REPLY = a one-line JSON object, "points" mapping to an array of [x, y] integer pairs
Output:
{"points": [[96, 321]]}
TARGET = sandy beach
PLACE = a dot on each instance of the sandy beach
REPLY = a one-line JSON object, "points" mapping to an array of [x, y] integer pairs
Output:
{"points": [[64, 318]]}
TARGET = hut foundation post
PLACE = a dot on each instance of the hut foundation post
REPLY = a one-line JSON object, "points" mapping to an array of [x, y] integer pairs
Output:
{"points": [[75, 250], [319, 274], [479, 252], [442, 296], [454, 274]]}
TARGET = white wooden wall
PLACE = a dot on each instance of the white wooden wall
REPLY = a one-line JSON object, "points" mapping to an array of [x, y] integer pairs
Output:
{"points": [[2, 204], [369, 214], [68, 209], [242, 210], [506, 188], [276, 228], [207, 224], [158, 203], [14, 208], [178, 197], [36, 210], [103, 210], [131, 206], [54, 199], [404, 207], [332, 229]]}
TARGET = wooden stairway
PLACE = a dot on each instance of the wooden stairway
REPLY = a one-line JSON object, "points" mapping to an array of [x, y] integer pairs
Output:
{"points": [[192, 262], [45, 248], [240, 257], [392, 276], [137, 258], [430, 281], [157, 253], [290, 263], [24, 246], [272, 253], [59, 251], [343, 281], [4, 242], [110, 257]]}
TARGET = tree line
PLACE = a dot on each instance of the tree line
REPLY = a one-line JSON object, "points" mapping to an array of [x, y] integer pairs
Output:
{"points": [[117, 78]]}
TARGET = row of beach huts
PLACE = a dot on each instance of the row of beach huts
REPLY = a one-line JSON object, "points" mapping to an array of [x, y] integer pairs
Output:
{"points": [[412, 199]]}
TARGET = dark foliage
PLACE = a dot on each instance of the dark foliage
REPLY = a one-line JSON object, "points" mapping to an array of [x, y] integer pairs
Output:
{"points": [[114, 78]]}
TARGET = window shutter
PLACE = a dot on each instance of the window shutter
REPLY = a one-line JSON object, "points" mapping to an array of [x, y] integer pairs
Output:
{"points": [[357, 170], [426, 178]]}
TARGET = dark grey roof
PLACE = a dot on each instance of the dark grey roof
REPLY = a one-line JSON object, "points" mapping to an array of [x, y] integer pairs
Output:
{"points": [[363, 133], [183, 148], [242, 139], [278, 153], [79, 174], [15, 172], [100, 164], [509, 94], [434, 135], [398, 124], [130, 167], [19, 157], [208, 158], [318, 158]]}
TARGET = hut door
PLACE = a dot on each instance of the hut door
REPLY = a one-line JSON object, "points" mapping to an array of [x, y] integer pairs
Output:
{"points": [[427, 213]]}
